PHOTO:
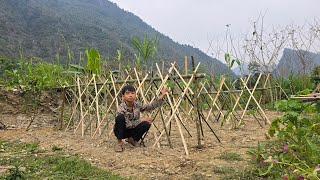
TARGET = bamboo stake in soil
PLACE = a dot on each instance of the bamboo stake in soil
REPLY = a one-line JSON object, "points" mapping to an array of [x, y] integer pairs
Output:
{"points": [[251, 94], [175, 108], [197, 106], [62, 107], [186, 73]]}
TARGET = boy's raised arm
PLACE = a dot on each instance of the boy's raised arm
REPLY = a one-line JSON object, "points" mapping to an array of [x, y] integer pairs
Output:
{"points": [[164, 91], [155, 103]]}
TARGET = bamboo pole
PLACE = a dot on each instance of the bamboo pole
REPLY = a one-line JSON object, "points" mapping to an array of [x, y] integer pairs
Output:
{"points": [[89, 108], [238, 100], [144, 98], [186, 73], [197, 75], [215, 99], [81, 112], [78, 101], [196, 106], [165, 128], [113, 100], [248, 102], [87, 111], [265, 116], [174, 111], [62, 108], [97, 103]]}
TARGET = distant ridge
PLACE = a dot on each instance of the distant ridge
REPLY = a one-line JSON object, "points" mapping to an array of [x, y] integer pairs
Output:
{"points": [[296, 62]]}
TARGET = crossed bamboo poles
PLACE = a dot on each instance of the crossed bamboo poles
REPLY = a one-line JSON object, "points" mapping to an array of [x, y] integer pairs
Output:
{"points": [[94, 103]]}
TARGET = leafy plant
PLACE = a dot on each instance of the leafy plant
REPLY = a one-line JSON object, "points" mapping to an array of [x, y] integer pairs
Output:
{"points": [[6, 64], [230, 61], [33, 74], [294, 83], [316, 71], [15, 173], [93, 61], [296, 153]]}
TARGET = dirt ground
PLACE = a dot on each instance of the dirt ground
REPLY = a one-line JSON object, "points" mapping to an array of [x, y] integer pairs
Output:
{"points": [[141, 162]]}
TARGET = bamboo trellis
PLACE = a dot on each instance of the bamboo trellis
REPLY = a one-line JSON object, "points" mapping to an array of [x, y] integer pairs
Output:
{"points": [[93, 101]]}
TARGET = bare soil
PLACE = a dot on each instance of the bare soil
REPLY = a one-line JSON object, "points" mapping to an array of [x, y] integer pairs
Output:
{"points": [[139, 162]]}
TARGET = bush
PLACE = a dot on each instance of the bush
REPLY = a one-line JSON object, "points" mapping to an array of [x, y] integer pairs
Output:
{"points": [[34, 74], [294, 83]]}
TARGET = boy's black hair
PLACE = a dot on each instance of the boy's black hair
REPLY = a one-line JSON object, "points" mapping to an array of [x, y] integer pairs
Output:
{"points": [[128, 88]]}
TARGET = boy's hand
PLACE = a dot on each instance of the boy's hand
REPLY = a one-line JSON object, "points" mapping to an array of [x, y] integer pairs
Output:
{"points": [[164, 91], [149, 120]]}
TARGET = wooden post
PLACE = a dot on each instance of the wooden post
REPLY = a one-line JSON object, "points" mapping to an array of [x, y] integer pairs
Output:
{"points": [[196, 106], [269, 84]]}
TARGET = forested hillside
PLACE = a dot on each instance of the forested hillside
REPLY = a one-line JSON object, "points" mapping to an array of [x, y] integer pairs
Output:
{"points": [[50, 28]]}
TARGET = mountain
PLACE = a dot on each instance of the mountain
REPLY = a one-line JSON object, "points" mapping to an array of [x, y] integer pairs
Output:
{"points": [[51, 29], [297, 62]]}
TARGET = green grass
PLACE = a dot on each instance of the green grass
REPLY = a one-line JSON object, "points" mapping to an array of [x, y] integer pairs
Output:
{"points": [[26, 161], [222, 170], [198, 177], [229, 173], [230, 157], [246, 174]]}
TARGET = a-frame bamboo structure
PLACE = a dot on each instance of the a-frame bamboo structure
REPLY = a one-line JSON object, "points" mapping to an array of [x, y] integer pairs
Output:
{"points": [[192, 103]]}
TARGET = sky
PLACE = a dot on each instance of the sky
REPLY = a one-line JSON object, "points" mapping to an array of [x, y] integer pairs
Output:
{"points": [[198, 22]]}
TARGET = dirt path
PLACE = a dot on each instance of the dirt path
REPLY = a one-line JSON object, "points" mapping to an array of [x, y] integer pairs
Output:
{"points": [[147, 162]]}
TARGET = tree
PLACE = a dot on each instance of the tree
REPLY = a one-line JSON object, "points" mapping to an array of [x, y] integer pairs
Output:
{"points": [[264, 47], [305, 39]]}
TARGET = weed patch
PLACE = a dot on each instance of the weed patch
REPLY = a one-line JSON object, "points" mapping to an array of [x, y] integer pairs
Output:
{"points": [[25, 163], [230, 157], [222, 169], [247, 174]]}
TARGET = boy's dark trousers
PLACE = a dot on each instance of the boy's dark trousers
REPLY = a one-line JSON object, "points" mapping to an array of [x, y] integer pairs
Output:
{"points": [[121, 132]]}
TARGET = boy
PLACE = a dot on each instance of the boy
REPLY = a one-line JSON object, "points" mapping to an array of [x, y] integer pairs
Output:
{"points": [[128, 123]]}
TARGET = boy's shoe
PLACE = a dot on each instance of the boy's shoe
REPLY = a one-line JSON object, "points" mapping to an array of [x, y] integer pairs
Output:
{"points": [[118, 147], [133, 142]]}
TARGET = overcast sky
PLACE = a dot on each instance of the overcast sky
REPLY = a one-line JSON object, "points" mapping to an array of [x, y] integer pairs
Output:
{"points": [[195, 22]]}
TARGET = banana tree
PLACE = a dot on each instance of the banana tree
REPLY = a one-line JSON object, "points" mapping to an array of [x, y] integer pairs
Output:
{"points": [[146, 48], [93, 61]]}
